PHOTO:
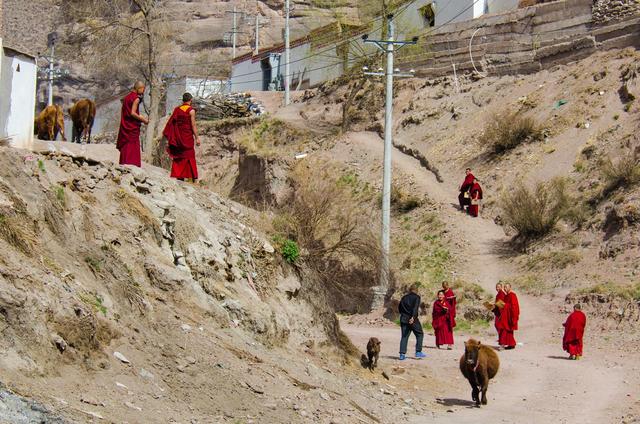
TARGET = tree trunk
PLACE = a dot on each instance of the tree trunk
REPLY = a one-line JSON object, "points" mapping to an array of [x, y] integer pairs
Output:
{"points": [[155, 97]]}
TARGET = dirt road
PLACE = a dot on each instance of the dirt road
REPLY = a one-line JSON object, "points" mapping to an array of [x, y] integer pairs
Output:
{"points": [[536, 382]]}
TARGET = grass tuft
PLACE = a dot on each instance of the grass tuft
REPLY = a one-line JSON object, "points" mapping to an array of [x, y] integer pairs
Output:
{"points": [[506, 131]]}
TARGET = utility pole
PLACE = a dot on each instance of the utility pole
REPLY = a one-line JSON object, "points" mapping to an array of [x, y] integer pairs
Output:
{"points": [[234, 32], [388, 47], [50, 72], [258, 24], [51, 58], [287, 56]]}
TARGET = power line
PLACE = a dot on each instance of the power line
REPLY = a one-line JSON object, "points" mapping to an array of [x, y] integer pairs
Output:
{"points": [[405, 7]]}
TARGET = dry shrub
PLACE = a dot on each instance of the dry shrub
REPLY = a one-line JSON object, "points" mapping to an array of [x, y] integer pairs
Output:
{"points": [[84, 331], [533, 213], [323, 217], [507, 130], [331, 225], [272, 134], [16, 226], [133, 206], [623, 173], [53, 211], [403, 202]]}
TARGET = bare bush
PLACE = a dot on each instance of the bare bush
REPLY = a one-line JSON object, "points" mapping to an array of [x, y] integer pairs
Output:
{"points": [[622, 173], [330, 223], [533, 213], [507, 130]]}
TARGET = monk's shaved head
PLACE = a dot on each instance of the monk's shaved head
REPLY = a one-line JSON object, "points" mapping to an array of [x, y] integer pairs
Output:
{"points": [[577, 307], [138, 85]]}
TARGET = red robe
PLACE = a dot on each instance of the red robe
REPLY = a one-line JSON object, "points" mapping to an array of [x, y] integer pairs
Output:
{"points": [[442, 323], [450, 297], [129, 135], [181, 141], [509, 317], [467, 183], [497, 311], [573, 332], [476, 195]]}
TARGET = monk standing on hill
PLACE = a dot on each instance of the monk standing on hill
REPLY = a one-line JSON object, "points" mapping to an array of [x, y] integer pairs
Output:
{"points": [[130, 122], [509, 317], [573, 332], [442, 321], [463, 197], [181, 134]]}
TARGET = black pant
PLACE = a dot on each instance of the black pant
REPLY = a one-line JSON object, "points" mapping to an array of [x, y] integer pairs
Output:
{"points": [[463, 201], [407, 329]]}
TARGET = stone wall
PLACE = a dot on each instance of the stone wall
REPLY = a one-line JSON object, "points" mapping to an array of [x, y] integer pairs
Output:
{"points": [[614, 10], [522, 41]]}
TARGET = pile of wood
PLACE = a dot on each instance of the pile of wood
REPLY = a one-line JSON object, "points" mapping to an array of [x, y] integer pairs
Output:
{"points": [[221, 106]]}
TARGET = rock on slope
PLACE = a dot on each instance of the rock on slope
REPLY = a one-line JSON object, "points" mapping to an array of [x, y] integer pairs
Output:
{"points": [[132, 297]]}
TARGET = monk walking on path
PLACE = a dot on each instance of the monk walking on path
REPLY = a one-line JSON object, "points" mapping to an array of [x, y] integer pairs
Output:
{"points": [[498, 306], [129, 135], [573, 332], [181, 133], [509, 317], [409, 323], [442, 321]]}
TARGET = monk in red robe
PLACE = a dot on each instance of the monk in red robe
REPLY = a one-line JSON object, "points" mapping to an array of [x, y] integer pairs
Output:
{"points": [[475, 194], [130, 122], [573, 332], [442, 321], [463, 197], [182, 135], [450, 297], [497, 310], [509, 317]]}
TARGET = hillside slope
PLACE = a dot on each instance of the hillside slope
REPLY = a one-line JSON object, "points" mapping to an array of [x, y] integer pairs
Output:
{"points": [[132, 297]]}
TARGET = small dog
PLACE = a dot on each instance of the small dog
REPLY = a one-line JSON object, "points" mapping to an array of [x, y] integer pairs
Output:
{"points": [[373, 351]]}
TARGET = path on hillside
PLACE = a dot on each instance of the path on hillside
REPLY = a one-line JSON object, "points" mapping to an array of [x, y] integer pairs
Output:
{"points": [[536, 383]]}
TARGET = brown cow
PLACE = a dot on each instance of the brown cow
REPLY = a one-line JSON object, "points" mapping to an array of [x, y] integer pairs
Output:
{"points": [[479, 364], [49, 122], [82, 115]]}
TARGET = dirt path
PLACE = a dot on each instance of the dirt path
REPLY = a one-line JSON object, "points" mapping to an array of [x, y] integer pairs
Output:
{"points": [[536, 383]]}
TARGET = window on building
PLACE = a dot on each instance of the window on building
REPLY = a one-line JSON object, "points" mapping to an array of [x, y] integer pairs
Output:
{"points": [[428, 15]]}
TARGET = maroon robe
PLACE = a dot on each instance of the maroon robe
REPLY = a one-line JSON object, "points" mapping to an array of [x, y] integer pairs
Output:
{"points": [[180, 143], [464, 188], [442, 323], [497, 311], [509, 317], [476, 195], [129, 135], [573, 332], [450, 297]]}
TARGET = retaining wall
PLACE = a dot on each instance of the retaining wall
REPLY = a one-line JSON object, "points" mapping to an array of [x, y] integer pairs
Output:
{"points": [[528, 39]]}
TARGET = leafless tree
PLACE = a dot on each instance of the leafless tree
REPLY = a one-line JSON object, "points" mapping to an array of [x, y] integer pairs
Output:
{"points": [[124, 38]]}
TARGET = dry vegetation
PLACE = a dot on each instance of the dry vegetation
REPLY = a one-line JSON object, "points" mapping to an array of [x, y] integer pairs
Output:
{"points": [[272, 135], [507, 130], [534, 213]]}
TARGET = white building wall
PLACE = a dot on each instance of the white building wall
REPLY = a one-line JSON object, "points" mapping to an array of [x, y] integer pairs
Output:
{"points": [[246, 76], [17, 97]]}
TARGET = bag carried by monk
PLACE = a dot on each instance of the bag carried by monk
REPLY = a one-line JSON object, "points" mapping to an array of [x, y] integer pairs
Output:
{"points": [[500, 304]]}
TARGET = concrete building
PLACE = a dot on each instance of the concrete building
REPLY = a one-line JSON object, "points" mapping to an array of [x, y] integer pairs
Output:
{"points": [[197, 86], [18, 74], [327, 52]]}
